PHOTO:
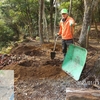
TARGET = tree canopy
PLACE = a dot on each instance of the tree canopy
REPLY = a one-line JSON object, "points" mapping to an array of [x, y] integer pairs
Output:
{"points": [[20, 18]]}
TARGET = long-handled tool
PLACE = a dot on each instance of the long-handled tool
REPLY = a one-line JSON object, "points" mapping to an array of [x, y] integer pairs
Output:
{"points": [[53, 52]]}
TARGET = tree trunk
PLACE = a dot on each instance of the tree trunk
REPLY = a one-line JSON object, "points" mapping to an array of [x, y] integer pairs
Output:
{"points": [[89, 6], [41, 3], [96, 28], [70, 8], [45, 30], [55, 19], [82, 94], [51, 17], [86, 22], [30, 24]]}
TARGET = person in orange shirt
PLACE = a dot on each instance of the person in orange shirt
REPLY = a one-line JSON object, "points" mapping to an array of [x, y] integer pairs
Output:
{"points": [[66, 30]]}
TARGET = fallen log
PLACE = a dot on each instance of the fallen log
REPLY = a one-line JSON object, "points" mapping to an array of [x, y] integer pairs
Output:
{"points": [[82, 94]]}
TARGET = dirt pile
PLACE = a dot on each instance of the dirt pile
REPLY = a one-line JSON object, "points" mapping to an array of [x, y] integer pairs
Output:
{"points": [[35, 62]]}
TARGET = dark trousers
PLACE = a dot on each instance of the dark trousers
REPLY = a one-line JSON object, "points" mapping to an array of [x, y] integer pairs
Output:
{"points": [[65, 44]]}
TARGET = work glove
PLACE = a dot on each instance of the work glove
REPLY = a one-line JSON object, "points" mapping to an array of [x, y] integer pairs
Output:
{"points": [[57, 35], [71, 22]]}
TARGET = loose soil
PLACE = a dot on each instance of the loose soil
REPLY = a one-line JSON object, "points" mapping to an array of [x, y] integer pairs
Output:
{"points": [[38, 77]]}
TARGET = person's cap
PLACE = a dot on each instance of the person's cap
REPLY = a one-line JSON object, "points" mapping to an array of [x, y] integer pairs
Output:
{"points": [[64, 11]]}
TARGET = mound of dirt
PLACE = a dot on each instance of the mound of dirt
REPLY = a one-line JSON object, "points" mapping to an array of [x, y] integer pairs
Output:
{"points": [[29, 69], [36, 62], [22, 49]]}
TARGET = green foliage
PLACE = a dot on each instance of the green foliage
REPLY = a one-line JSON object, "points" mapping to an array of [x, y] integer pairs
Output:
{"points": [[6, 34], [20, 17], [64, 5], [77, 9], [6, 50], [17, 16]]}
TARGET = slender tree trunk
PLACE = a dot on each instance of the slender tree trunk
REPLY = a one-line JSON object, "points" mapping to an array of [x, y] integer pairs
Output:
{"points": [[96, 28], [70, 8], [45, 30], [30, 24], [55, 19], [86, 22], [89, 6], [51, 17], [41, 3]]}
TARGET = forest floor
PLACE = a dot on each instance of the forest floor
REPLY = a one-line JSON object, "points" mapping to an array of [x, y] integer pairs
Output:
{"points": [[38, 77]]}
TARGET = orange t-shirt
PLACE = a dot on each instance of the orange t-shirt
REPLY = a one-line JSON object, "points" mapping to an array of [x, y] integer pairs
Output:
{"points": [[67, 28]]}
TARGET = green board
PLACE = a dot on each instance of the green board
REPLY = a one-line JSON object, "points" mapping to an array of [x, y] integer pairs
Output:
{"points": [[74, 61]]}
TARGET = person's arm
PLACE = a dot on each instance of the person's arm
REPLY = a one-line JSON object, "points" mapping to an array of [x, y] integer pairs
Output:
{"points": [[72, 25]]}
